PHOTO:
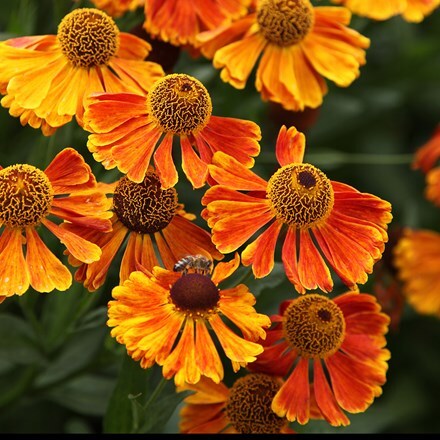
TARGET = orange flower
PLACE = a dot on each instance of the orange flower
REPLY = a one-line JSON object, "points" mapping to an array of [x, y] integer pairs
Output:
{"points": [[127, 128], [411, 10], [164, 319], [46, 78], [178, 22], [244, 408], [321, 218], [417, 258], [299, 46], [28, 198], [342, 339], [159, 232], [116, 8], [425, 159]]}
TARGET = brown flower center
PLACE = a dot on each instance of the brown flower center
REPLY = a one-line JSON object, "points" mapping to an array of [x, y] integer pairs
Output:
{"points": [[180, 104], [249, 405], [88, 37], [195, 294], [285, 22], [144, 207], [314, 326], [26, 196], [301, 195]]}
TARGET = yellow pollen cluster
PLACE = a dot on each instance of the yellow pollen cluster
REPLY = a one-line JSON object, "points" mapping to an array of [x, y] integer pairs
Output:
{"points": [[26, 196], [285, 22], [180, 104], [249, 405], [144, 207], [301, 195], [88, 37], [314, 326]]}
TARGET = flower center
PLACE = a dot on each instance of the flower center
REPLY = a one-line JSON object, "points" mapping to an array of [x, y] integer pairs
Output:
{"points": [[144, 207], [314, 326], [180, 104], [285, 22], [88, 37], [195, 293], [26, 196], [301, 195], [249, 405]]}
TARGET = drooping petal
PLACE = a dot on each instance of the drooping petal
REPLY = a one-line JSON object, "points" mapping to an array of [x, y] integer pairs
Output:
{"points": [[293, 399], [14, 272], [164, 163], [289, 256], [290, 146], [195, 169], [46, 271]]}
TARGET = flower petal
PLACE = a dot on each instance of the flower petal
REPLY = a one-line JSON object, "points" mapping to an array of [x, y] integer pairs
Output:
{"points": [[290, 146], [164, 164]]}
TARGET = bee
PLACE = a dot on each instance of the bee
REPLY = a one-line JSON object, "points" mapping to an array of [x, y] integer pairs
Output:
{"points": [[196, 263]]}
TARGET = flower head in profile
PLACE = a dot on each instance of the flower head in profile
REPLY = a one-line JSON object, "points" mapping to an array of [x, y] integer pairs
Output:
{"points": [[326, 223], [411, 10], [417, 259], [427, 159], [167, 318], [243, 408], [128, 128], [340, 342], [46, 78], [151, 228], [178, 22], [31, 199], [295, 45], [117, 8]]}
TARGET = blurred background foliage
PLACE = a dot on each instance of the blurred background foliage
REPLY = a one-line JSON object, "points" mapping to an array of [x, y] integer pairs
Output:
{"points": [[61, 372]]}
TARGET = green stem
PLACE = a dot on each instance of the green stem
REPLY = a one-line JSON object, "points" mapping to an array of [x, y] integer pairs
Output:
{"points": [[156, 392]]}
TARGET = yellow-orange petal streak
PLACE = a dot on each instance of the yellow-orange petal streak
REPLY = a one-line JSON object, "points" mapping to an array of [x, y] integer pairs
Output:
{"points": [[225, 269], [80, 248], [261, 252], [293, 399], [164, 163], [290, 146], [206, 355], [14, 273], [325, 399], [195, 169], [46, 271], [290, 260], [236, 348]]}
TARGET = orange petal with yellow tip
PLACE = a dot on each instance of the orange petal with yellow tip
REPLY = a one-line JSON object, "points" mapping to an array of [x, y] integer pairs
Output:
{"points": [[228, 171], [225, 270], [14, 272], [206, 392], [312, 270], [194, 168], [261, 252], [181, 363], [80, 248], [290, 146], [69, 172], [163, 160], [46, 271], [325, 399], [206, 355], [293, 399], [236, 348]]}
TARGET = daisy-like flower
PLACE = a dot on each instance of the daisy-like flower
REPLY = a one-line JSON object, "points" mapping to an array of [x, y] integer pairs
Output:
{"points": [[426, 159], [116, 8], [127, 128], [46, 78], [166, 318], [417, 259], [342, 340], [411, 10], [31, 198], [178, 22], [321, 218], [159, 232], [244, 408], [295, 45]]}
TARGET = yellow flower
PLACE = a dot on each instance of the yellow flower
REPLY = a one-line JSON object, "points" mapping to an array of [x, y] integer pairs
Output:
{"points": [[295, 46], [46, 78]]}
